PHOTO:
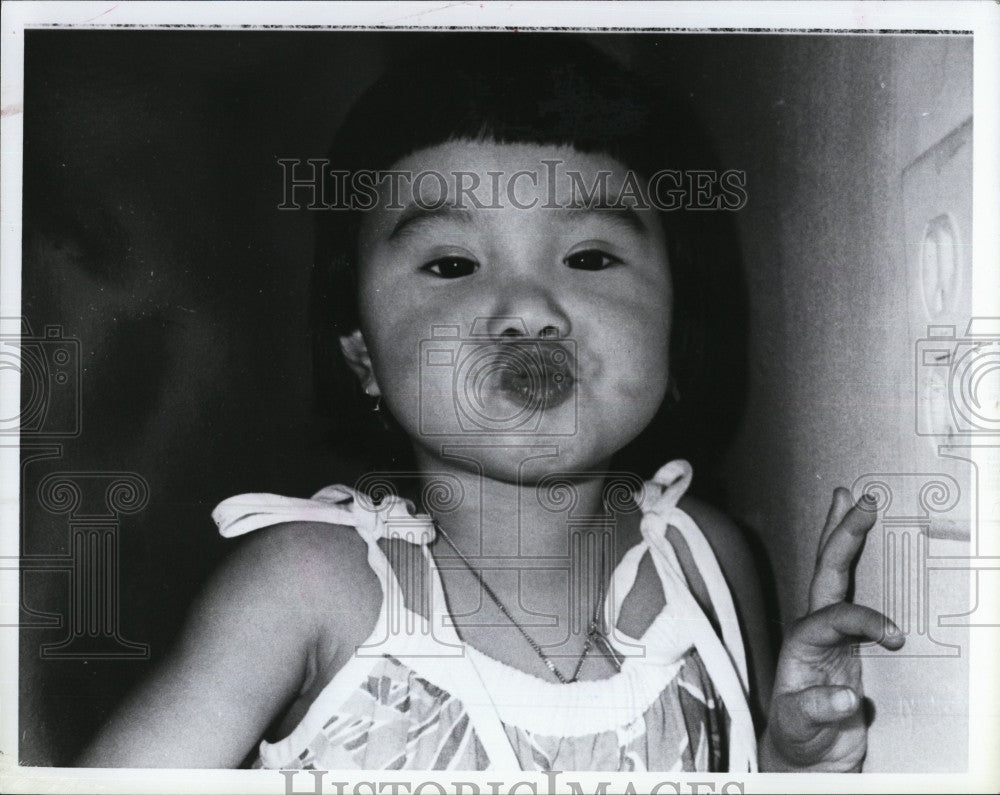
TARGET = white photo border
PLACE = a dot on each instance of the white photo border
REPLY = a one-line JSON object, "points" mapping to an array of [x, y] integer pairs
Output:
{"points": [[981, 19]]}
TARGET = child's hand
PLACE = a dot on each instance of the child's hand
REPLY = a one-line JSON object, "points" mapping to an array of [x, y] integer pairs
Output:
{"points": [[816, 720]]}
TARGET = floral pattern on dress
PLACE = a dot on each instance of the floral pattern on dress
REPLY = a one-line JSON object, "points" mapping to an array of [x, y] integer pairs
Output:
{"points": [[397, 720]]}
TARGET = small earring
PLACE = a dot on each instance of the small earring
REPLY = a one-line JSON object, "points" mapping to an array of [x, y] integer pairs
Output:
{"points": [[675, 393], [384, 418]]}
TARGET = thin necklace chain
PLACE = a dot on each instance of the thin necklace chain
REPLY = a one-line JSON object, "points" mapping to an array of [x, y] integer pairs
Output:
{"points": [[594, 634]]}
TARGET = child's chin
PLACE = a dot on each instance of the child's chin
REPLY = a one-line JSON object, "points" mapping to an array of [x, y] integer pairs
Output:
{"points": [[518, 458]]}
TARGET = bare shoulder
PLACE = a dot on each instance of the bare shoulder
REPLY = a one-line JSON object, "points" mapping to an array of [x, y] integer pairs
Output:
{"points": [[309, 584], [724, 536], [732, 549], [319, 570]]}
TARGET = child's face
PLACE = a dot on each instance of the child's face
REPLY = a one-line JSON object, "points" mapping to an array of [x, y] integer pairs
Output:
{"points": [[560, 317]]}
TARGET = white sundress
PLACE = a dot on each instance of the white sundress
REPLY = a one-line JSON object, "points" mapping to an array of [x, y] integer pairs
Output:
{"points": [[415, 697]]}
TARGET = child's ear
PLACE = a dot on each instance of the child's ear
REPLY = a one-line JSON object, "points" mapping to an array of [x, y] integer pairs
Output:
{"points": [[355, 351]]}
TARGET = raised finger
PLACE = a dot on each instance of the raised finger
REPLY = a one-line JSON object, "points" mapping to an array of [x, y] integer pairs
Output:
{"points": [[840, 504], [836, 559], [844, 622]]}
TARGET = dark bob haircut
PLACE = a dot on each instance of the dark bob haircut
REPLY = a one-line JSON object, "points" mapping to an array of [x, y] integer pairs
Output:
{"points": [[548, 89]]}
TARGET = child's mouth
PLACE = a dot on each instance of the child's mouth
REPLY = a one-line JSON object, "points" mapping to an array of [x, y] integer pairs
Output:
{"points": [[534, 376]]}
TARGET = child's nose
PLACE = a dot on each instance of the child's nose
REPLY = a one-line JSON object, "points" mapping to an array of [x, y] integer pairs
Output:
{"points": [[528, 310]]}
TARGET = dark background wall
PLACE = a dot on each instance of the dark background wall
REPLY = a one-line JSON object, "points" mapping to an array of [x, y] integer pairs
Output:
{"points": [[151, 235]]}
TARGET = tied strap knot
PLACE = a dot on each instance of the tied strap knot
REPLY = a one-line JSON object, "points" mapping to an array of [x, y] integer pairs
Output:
{"points": [[659, 496], [392, 517]]}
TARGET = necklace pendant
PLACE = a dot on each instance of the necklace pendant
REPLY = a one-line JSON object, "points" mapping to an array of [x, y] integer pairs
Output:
{"points": [[594, 634], [552, 667]]}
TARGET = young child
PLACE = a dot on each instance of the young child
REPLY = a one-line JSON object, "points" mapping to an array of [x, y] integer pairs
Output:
{"points": [[518, 333]]}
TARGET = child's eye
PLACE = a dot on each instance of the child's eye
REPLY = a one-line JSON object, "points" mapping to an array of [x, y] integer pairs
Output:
{"points": [[450, 267], [591, 260]]}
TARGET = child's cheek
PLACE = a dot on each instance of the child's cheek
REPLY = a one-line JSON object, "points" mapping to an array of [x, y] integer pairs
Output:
{"points": [[632, 336], [643, 385], [396, 361]]}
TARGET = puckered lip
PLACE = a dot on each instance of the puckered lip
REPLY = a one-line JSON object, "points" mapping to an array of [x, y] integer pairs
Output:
{"points": [[538, 374]]}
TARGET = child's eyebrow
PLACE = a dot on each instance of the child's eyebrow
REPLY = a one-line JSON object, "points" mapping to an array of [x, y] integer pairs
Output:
{"points": [[414, 214], [623, 216]]}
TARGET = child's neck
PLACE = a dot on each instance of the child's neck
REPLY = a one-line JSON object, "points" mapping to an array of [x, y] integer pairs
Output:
{"points": [[507, 519]]}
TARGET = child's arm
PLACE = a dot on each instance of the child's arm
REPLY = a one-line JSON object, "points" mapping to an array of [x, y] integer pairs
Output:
{"points": [[243, 653], [816, 720]]}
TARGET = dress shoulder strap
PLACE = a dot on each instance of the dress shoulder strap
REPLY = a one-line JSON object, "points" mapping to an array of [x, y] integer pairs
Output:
{"points": [[393, 517], [661, 495], [723, 657], [397, 633]]}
